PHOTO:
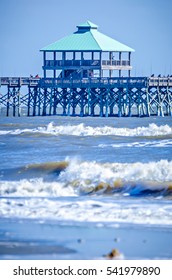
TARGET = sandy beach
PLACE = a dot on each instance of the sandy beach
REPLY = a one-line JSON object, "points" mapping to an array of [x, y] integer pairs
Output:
{"points": [[30, 239]]}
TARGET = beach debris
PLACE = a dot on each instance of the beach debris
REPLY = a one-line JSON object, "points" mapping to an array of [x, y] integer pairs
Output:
{"points": [[113, 254]]}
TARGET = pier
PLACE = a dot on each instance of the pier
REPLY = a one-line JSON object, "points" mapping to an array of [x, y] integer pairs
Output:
{"points": [[140, 96], [87, 73]]}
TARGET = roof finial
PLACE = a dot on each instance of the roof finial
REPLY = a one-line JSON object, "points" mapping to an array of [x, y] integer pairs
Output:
{"points": [[87, 26]]}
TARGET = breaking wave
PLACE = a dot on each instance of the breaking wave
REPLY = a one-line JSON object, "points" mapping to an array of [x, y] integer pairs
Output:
{"points": [[75, 178], [91, 192], [151, 144], [82, 130]]}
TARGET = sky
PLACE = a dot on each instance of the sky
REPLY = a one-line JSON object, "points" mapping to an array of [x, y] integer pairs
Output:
{"points": [[26, 26]]}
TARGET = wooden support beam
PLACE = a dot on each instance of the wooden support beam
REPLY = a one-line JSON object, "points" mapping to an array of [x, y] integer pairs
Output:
{"points": [[169, 98], [28, 103], [44, 102], [39, 101], [18, 101], [69, 102], [120, 55], [8, 101], [54, 96], [129, 58], [44, 61], [35, 96], [82, 103], [54, 60], [107, 103], [50, 101], [14, 101], [119, 104]]}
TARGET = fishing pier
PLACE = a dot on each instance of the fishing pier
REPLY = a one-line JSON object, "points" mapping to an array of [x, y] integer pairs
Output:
{"points": [[87, 73]]}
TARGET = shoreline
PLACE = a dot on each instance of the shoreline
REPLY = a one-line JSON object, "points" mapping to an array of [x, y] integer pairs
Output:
{"points": [[33, 239]]}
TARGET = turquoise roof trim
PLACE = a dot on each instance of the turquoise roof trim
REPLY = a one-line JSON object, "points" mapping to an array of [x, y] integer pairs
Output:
{"points": [[87, 38]]}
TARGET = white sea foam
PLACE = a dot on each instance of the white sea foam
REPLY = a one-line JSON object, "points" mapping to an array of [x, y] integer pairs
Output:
{"points": [[34, 188], [90, 210], [82, 130], [84, 177], [151, 144], [84, 174]]}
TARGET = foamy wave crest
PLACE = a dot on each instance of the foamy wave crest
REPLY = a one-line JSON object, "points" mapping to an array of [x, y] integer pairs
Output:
{"points": [[93, 176], [151, 144], [34, 188], [78, 178], [82, 130]]}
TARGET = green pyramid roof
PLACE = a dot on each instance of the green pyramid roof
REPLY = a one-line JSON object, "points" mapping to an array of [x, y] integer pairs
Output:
{"points": [[87, 38]]}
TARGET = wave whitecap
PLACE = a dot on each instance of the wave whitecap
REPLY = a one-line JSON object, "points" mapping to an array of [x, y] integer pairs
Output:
{"points": [[91, 192], [151, 144], [82, 130], [83, 178]]}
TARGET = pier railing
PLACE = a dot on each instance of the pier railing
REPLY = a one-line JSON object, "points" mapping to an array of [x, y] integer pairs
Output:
{"points": [[160, 81], [116, 62], [71, 63], [76, 63], [95, 82], [19, 81]]}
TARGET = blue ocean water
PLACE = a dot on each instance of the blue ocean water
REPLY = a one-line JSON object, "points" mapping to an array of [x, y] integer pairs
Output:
{"points": [[80, 172]]}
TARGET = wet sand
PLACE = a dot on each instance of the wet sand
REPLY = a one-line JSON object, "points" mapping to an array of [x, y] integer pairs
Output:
{"points": [[33, 239]]}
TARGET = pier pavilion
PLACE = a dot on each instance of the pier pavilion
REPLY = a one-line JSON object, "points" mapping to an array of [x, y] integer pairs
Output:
{"points": [[86, 53], [87, 73]]}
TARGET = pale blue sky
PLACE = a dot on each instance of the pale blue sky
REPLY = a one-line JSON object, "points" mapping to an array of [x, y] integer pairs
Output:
{"points": [[28, 25]]}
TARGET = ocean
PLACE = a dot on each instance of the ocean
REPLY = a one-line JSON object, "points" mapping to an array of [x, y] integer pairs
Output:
{"points": [[75, 188]]}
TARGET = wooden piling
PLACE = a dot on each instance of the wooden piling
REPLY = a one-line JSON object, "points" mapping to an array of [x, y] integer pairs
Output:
{"points": [[150, 96]]}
